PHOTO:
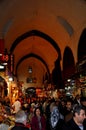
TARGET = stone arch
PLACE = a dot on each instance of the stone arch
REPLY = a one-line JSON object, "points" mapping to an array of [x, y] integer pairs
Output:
{"points": [[82, 46], [39, 34], [68, 63], [35, 56]]}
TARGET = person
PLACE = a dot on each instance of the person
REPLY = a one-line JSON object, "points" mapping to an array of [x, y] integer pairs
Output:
{"points": [[4, 123], [77, 99], [7, 106], [56, 119], [20, 121], [76, 123], [16, 105], [31, 112], [38, 121], [83, 102], [68, 111], [62, 106]]}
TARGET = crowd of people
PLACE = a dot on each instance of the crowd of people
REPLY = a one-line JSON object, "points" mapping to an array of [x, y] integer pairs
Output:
{"points": [[47, 114]]}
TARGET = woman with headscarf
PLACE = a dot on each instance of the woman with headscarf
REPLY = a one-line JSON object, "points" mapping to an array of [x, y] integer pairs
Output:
{"points": [[56, 120]]}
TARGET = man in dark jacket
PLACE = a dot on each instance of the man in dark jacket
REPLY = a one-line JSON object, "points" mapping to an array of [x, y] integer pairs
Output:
{"points": [[76, 123], [20, 121]]}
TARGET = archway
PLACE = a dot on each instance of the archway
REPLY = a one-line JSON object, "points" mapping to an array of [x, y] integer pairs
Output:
{"points": [[68, 63], [81, 64], [82, 46]]}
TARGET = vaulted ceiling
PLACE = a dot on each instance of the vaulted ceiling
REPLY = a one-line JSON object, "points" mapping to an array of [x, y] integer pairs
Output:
{"points": [[38, 31]]}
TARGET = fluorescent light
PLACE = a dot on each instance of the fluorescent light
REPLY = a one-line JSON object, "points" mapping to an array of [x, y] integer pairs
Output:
{"points": [[1, 67], [5, 63]]}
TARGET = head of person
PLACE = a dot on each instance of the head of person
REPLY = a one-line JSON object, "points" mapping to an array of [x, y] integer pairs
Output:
{"points": [[37, 111], [77, 97], [63, 103], [54, 116], [20, 117], [83, 101], [79, 114], [69, 104], [7, 121], [32, 107]]}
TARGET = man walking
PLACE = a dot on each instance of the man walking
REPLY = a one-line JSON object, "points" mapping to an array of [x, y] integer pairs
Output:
{"points": [[76, 123], [20, 121]]}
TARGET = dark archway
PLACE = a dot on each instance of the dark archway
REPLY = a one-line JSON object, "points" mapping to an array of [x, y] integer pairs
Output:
{"points": [[81, 56], [68, 63], [82, 46]]}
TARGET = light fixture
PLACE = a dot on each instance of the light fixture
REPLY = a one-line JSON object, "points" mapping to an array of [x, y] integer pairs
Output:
{"points": [[30, 69], [68, 80], [10, 79], [4, 63], [1, 66], [0, 54], [4, 59]]}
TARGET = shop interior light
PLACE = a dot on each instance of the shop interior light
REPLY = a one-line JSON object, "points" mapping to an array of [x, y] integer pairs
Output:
{"points": [[10, 79], [5, 63], [1, 66], [68, 80], [0, 54]]}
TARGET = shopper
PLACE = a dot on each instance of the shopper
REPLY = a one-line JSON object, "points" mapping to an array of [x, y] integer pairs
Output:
{"points": [[76, 123], [69, 109], [56, 119], [38, 120], [20, 121], [16, 106]]}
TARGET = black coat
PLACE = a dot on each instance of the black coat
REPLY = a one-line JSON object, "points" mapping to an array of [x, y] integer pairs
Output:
{"points": [[19, 126], [59, 125], [71, 125]]}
